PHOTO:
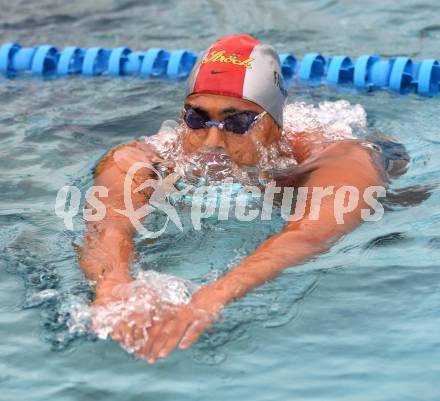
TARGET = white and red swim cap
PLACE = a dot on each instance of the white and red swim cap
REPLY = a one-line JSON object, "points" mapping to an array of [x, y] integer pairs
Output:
{"points": [[240, 66]]}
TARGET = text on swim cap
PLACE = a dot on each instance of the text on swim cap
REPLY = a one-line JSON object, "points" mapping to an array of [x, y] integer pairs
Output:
{"points": [[221, 57]]}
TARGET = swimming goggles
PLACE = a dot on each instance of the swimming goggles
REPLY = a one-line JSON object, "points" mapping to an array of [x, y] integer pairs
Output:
{"points": [[238, 123]]}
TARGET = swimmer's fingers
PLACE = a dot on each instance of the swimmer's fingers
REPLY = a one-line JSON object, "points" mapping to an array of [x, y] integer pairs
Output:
{"points": [[194, 332], [186, 330], [168, 332], [129, 334], [122, 334], [153, 333], [160, 333], [117, 334], [173, 340]]}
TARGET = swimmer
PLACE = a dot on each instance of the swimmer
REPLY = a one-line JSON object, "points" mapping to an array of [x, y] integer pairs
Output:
{"points": [[233, 113]]}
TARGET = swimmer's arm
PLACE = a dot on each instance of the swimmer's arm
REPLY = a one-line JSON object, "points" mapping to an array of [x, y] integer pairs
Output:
{"points": [[338, 166], [304, 239], [108, 244]]}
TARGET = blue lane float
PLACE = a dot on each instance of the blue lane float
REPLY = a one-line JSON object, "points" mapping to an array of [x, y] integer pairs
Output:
{"points": [[312, 68], [288, 67], [369, 72], [362, 76], [155, 62], [70, 61], [427, 74], [95, 61], [340, 70]]}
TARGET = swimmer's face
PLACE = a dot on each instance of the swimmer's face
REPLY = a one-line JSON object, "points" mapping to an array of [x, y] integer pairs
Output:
{"points": [[241, 148]]}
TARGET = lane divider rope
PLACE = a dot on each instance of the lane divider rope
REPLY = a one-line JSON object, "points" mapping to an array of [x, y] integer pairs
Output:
{"points": [[369, 72]]}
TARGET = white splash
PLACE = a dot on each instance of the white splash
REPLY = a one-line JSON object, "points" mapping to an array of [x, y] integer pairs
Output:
{"points": [[142, 300], [335, 120], [166, 141]]}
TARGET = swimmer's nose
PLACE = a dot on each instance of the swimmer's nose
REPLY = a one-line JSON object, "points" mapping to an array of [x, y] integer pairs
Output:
{"points": [[215, 138]]}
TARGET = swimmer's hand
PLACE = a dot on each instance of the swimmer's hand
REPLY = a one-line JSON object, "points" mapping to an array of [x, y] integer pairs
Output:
{"points": [[124, 311], [181, 326], [134, 316]]}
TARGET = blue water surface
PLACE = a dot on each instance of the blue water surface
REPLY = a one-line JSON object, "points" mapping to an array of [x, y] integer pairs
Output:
{"points": [[359, 323]]}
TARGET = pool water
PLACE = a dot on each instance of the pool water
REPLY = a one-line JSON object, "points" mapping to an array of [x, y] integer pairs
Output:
{"points": [[361, 322]]}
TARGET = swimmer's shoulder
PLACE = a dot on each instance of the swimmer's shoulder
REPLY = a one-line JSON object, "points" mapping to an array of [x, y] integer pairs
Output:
{"points": [[352, 151], [126, 155], [341, 159], [315, 145], [307, 146]]}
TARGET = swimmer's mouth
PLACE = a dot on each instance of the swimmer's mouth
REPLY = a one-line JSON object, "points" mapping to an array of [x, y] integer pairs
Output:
{"points": [[217, 155], [212, 164]]}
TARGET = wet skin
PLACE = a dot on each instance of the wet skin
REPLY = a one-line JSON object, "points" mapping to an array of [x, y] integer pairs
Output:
{"points": [[109, 249]]}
